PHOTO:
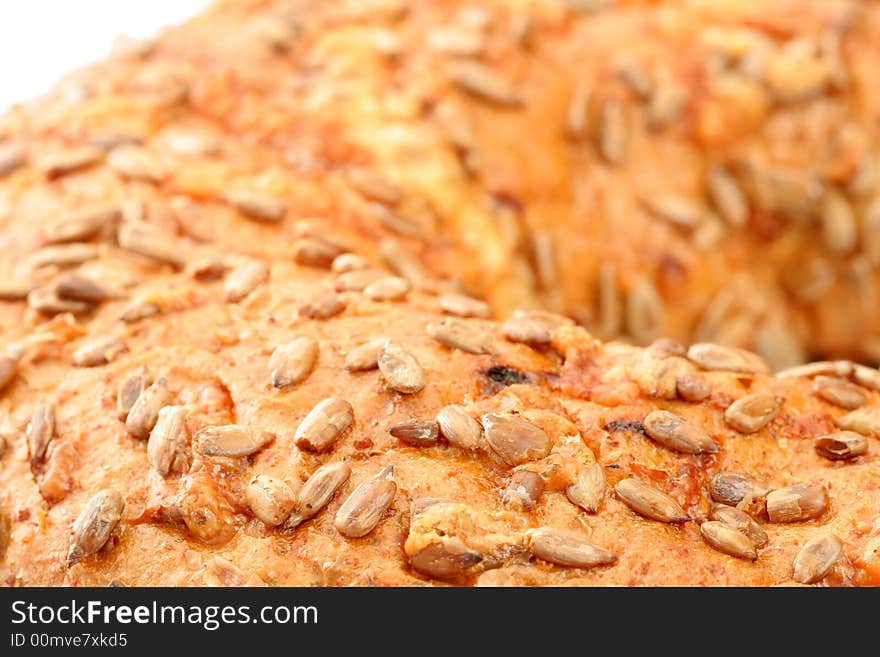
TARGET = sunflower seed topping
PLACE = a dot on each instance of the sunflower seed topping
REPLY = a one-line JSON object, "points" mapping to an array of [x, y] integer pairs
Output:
{"points": [[129, 391], [392, 288], [324, 425], [232, 440], [865, 421], [678, 434], [81, 224], [483, 82], [77, 287], [270, 499], [816, 558], [400, 369], [366, 505], [292, 363], [459, 428], [464, 306], [12, 156], [797, 503], [365, 356], [244, 279], [46, 300], [316, 252], [727, 196], [346, 262], [448, 559], [145, 411], [98, 351], [649, 501], [318, 490], [711, 356], [566, 548], [753, 412], [841, 445], [93, 526], [40, 432], [459, 335], [416, 432], [61, 163], [613, 137], [136, 163], [253, 205], [515, 439], [740, 521], [839, 392], [8, 370], [728, 540], [146, 242], [589, 489], [524, 489], [733, 487], [63, 255], [167, 445]]}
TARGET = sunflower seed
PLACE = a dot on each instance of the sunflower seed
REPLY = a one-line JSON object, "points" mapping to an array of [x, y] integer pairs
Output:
{"points": [[129, 391], [649, 501], [484, 83], [77, 287], [448, 559], [138, 310], [609, 301], [64, 255], [459, 335], [692, 386], [677, 210], [645, 311], [733, 487], [81, 224], [404, 262], [317, 492], [232, 440], [838, 224], [146, 242], [400, 369], [613, 137], [98, 351], [396, 223], [816, 558], [392, 288], [136, 163], [841, 368], [167, 445], [514, 439], [865, 421], [316, 252], [373, 186], [667, 102], [324, 307], [94, 524], [867, 377], [678, 434], [576, 118], [347, 262], [358, 279], [14, 290], [40, 431], [523, 489], [191, 143], [61, 163], [464, 306], [270, 499], [566, 548], [727, 196], [533, 327], [753, 412], [841, 446], [796, 503], [728, 540], [711, 356], [144, 412], [416, 432], [459, 428], [589, 489], [46, 300], [740, 521], [365, 356], [292, 363], [839, 392], [221, 572], [244, 279], [324, 425], [636, 78], [8, 370], [12, 156], [366, 505]]}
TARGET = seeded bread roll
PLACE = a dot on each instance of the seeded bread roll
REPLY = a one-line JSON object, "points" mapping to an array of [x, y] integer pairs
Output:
{"points": [[250, 268]]}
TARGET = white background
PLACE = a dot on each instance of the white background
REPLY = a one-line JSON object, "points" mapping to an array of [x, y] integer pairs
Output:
{"points": [[41, 40]]}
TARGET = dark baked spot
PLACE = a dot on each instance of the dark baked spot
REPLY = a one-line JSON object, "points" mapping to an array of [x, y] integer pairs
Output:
{"points": [[506, 376], [624, 425]]}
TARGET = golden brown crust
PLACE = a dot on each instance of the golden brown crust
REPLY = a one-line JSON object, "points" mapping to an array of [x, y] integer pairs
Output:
{"points": [[203, 190]]}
